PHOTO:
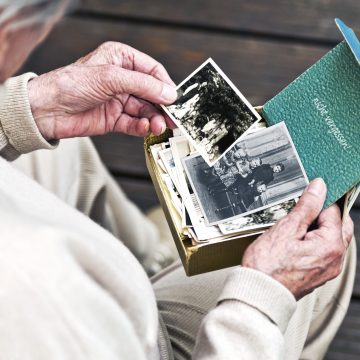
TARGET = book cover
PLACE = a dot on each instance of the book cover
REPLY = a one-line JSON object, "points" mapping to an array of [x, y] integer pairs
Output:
{"points": [[321, 111]]}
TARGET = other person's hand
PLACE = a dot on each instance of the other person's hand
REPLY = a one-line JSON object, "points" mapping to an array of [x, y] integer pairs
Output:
{"points": [[298, 257], [113, 89]]}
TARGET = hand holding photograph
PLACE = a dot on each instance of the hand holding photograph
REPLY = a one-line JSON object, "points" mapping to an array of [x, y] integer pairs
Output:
{"points": [[261, 170], [211, 112]]}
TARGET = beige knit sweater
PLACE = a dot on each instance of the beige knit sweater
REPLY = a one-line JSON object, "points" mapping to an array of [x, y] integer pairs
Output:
{"points": [[93, 300]]}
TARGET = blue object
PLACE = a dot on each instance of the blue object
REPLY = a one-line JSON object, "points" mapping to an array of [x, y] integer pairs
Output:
{"points": [[350, 38]]}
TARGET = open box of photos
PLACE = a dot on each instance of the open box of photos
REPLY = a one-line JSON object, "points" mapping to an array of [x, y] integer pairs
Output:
{"points": [[223, 177]]}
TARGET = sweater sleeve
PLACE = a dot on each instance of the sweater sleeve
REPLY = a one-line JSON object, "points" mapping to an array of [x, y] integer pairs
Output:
{"points": [[18, 131], [249, 321]]}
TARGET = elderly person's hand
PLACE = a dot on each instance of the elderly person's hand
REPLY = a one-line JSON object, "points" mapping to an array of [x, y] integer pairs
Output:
{"points": [[111, 89], [297, 256]]}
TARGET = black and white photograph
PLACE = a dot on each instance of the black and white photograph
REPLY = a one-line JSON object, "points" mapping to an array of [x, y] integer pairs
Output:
{"points": [[211, 112], [169, 164], [261, 219], [262, 170]]}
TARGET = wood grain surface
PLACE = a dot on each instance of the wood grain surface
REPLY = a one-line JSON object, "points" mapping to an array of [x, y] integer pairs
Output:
{"points": [[311, 19], [259, 69]]}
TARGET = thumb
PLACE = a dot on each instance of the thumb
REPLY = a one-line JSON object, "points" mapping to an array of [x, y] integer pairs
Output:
{"points": [[144, 86], [309, 206]]}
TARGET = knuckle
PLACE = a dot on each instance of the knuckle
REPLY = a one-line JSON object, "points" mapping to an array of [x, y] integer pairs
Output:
{"points": [[111, 72], [161, 67], [158, 69], [336, 251], [107, 77], [286, 224], [350, 227], [62, 79], [105, 73], [279, 225], [107, 69], [145, 110], [332, 275], [347, 238], [339, 268], [107, 45], [294, 220], [336, 270], [286, 220], [296, 217]]}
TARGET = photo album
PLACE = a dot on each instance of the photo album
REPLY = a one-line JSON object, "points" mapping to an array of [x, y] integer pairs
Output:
{"points": [[230, 171]]}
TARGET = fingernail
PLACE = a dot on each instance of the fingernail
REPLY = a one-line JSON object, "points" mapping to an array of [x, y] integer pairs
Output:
{"points": [[163, 128], [317, 187], [147, 128], [169, 94]]}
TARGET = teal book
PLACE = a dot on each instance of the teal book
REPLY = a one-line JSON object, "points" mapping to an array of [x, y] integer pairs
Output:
{"points": [[321, 110]]}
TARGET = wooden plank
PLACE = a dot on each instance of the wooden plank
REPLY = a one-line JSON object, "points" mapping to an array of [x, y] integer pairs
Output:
{"points": [[357, 203], [141, 192], [346, 345], [335, 355], [122, 154], [309, 19], [250, 63], [355, 215]]}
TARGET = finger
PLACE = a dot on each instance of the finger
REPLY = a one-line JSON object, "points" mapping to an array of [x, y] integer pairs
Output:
{"points": [[169, 122], [143, 109], [329, 234], [146, 87], [146, 64], [124, 56], [157, 125], [140, 108], [330, 218], [158, 119], [309, 206], [132, 126], [348, 230]]}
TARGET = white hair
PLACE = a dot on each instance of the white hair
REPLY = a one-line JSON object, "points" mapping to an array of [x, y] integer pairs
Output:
{"points": [[26, 12]]}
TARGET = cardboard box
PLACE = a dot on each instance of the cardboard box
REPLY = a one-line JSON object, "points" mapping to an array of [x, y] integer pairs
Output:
{"points": [[201, 258]]}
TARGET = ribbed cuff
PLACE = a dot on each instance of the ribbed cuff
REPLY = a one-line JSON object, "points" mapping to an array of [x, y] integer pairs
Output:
{"points": [[18, 126], [261, 292]]}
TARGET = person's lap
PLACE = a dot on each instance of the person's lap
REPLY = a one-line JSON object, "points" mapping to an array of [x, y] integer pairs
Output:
{"points": [[183, 301]]}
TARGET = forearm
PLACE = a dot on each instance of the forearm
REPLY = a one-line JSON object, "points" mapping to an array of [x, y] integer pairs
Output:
{"points": [[18, 131], [251, 317]]}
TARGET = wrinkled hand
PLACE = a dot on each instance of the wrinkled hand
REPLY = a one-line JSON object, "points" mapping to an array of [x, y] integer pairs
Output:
{"points": [[109, 90], [299, 258]]}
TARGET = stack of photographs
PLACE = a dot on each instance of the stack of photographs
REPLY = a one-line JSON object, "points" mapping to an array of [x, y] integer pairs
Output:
{"points": [[227, 174]]}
